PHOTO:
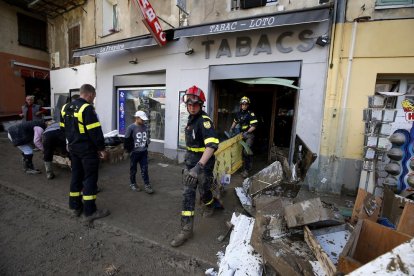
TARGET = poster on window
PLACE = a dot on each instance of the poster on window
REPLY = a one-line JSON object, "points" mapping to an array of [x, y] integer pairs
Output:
{"points": [[151, 100], [182, 121]]}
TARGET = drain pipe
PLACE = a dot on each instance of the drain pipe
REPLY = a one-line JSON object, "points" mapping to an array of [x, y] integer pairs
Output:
{"points": [[344, 102]]}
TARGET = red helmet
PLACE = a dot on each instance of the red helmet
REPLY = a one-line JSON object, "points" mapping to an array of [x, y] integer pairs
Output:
{"points": [[194, 95]]}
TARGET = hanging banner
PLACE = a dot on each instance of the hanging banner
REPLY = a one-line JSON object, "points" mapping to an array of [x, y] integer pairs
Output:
{"points": [[151, 21]]}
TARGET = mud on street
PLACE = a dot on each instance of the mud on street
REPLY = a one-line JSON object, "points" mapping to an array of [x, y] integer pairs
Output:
{"points": [[38, 239], [38, 235]]}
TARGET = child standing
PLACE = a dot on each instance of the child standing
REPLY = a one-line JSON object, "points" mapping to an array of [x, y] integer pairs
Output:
{"points": [[136, 143]]}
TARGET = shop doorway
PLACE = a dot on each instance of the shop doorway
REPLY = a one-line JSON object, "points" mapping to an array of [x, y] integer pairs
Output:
{"points": [[274, 107], [40, 88]]}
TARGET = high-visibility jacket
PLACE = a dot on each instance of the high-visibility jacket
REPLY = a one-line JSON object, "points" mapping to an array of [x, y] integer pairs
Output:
{"points": [[200, 133], [82, 128], [245, 119]]}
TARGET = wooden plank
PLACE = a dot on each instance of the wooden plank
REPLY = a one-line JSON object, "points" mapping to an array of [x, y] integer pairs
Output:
{"points": [[368, 241], [309, 212], [358, 211], [347, 265], [406, 223], [375, 240], [272, 127], [399, 261], [320, 254]]}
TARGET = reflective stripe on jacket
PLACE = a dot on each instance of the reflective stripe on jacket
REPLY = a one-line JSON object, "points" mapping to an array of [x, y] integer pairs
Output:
{"points": [[200, 133], [82, 127]]}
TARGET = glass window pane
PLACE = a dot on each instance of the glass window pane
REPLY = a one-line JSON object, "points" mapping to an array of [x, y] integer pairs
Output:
{"points": [[151, 100]]}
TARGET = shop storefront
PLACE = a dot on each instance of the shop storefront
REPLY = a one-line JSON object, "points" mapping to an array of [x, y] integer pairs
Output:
{"points": [[263, 58]]}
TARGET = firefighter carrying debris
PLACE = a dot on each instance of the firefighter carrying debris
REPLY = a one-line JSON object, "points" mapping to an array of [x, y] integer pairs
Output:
{"points": [[201, 141]]}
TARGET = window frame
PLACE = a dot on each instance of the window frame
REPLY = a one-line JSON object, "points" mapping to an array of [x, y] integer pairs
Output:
{"points": [[32, 32], [110, 17], [393, 3], [72, 34]]}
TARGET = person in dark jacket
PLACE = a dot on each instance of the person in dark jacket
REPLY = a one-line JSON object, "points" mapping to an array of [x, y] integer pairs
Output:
{"points": [[201, 141], [31, 111], [86, 146], [247, 122], [22, 136]]}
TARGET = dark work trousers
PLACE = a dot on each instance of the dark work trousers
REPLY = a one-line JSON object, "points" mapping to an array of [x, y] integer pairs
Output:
{"points": [[248, 159], [53, 140], [84, 182], [205, 180], [140, 157]]}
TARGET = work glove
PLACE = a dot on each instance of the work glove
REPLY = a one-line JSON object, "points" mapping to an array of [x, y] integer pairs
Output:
{"points": [[192, 176], [245, 135]]}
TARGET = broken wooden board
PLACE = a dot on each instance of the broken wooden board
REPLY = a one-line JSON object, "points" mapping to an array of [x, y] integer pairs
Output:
{"points": [[359, 211], [406, 222], [311, 212], [368, 241], [271, 205], [327, 244], [398, 261], [393, 206], [288, 256], [269, 177]]}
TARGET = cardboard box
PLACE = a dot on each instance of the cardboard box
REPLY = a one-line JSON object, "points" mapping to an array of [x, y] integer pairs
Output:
{"points": [[368, 241]]}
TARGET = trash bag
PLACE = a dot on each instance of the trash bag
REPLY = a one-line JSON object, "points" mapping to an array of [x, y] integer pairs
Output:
{"points": [[112, 141]]}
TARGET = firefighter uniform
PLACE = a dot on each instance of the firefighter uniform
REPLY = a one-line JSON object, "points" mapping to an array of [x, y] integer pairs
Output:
{"points": [[199, 134], [246, 119], [84, 134]]}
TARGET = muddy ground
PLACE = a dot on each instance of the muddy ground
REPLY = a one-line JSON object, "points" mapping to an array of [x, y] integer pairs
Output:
{"points": [[36, 239], [38, 235]]}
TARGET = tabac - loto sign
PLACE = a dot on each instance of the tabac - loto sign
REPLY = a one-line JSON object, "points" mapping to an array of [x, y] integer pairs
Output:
{"points": [[151, 21]]}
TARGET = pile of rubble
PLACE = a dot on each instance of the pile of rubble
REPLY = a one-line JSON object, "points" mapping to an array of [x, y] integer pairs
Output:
{"points": [[283, 235]]}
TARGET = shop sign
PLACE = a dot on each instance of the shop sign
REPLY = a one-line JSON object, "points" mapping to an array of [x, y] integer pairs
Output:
{"points": [[408, 108], [151, 22], [244, 45], [27, 73]]}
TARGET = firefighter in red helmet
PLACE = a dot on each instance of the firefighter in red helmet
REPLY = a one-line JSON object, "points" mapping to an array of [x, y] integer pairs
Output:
{"points": [[201, 142]]}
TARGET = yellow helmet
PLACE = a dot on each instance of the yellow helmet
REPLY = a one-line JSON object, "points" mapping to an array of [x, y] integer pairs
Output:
{"points": [[244, 99]]}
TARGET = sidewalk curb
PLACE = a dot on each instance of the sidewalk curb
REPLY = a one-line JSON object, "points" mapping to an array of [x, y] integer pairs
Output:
{"points": [[53, 205]]}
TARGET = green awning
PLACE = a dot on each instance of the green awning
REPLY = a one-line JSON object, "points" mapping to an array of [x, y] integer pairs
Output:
{"points": [[271, 81]]}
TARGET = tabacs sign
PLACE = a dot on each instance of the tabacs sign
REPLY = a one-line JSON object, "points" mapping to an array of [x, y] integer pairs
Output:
{"points": [[151, 21]]}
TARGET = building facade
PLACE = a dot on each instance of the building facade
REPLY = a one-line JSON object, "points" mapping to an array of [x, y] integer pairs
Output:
{"points": [[24, 59], [372, 52]]}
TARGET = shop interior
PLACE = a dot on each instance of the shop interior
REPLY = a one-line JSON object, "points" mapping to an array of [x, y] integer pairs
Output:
{"points": [[267, 102]]}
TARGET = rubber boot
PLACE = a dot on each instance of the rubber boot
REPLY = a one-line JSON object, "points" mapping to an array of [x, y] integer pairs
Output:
{"points": [[185, 233], [24, 163], [49, 170], [29, 165]]}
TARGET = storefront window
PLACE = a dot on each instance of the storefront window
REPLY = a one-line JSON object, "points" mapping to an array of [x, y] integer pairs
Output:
{"points": [[151, 100]]}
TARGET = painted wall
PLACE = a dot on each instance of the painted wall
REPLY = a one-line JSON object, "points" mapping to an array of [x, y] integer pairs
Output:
{"points": [[184, 71], [211, 10], [62, 80], [367, 8], [381, 47]]}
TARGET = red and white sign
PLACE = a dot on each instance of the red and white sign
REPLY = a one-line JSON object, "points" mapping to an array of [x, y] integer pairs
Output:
{"points": [[151, 21]]}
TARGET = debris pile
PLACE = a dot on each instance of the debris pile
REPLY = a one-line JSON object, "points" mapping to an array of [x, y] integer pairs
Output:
{"points": [[312, 237]]}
